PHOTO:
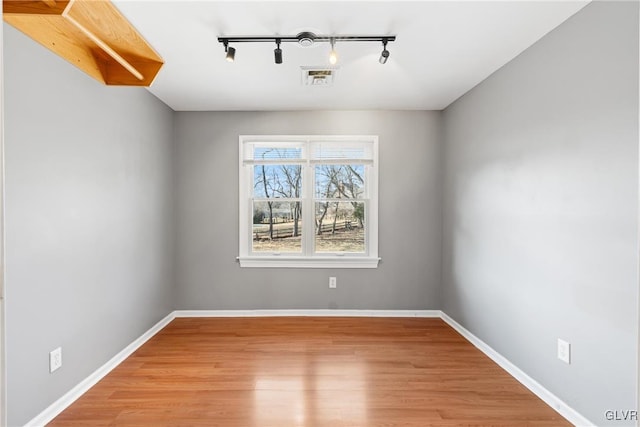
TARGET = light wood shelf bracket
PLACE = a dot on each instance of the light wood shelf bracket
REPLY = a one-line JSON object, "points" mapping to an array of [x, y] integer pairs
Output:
{"points": [[91, 34]]}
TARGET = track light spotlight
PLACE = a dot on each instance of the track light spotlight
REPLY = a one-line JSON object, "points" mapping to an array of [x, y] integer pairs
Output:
{"points": [[231, 52], [333, 55], [385, 53], [384, 56], [278, 52]]}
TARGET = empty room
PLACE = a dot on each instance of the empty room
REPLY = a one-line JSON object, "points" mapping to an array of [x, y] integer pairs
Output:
{"points": [[320, 213]]}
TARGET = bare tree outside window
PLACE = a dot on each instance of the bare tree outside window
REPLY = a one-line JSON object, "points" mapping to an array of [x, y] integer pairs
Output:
{"points": [[276, 212], [340, 216]]}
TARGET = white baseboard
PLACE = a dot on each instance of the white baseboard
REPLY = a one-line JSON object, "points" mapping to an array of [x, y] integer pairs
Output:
{"points": [[549, 398], [72, 395], [535, 387], [306, 313]]}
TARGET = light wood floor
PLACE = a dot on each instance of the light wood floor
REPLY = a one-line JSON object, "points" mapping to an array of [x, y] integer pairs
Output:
{"points": [[281, 372]]}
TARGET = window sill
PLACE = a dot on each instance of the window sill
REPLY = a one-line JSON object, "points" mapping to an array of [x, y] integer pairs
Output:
{"points": [[308, 262]]}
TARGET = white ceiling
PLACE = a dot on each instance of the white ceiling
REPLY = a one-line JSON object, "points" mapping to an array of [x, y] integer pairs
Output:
{"points": [[443, 49]]}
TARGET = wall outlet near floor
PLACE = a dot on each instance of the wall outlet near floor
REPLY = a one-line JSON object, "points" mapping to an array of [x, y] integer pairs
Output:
{"points": [[55, 359], [564, 351], [333, 283]]}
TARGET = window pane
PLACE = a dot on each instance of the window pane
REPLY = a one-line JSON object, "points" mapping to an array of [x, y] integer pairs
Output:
{"points": [[339, 181], [277, 181], [340, 227], [277, 227]]}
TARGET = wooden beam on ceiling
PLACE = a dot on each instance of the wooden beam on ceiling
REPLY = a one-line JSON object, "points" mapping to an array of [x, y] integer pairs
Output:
{"points": [[91, 34]]}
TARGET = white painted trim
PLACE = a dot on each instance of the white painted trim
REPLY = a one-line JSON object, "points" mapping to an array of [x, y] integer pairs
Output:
{"points": [[307, 313], [308, 262], [72, 395], [535, 387]]}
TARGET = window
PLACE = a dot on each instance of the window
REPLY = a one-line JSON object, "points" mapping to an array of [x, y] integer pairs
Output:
{"points": [[309, 201]]}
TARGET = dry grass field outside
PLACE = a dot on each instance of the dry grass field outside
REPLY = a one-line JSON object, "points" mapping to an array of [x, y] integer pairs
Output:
{"points": [[343, 240]]}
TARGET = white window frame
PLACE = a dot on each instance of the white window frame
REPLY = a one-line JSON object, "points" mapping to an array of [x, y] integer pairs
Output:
{"points": [[307, 258]]}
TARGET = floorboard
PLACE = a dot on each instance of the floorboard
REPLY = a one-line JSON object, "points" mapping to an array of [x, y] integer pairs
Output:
{"points": [[308, 371]]}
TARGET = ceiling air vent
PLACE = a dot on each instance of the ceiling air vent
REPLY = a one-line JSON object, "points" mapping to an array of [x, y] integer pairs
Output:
{"points": [[318, 76]]}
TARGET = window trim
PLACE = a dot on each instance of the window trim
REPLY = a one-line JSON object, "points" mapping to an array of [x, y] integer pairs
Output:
{"points": [[368, 259]]}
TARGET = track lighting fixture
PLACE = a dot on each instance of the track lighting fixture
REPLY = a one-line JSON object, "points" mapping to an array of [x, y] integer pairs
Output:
{"points": [[305, 39], [231, 52], [385, 53], [278, 52]]}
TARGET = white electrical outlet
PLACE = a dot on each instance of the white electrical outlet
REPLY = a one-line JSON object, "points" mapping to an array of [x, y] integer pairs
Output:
{"points": [[564, 351], [333, 283], [55, 359]]}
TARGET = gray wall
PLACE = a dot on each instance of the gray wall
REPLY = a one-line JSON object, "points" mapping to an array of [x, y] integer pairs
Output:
{"points": [[88, 221], [540, 212], [208, 276]]}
